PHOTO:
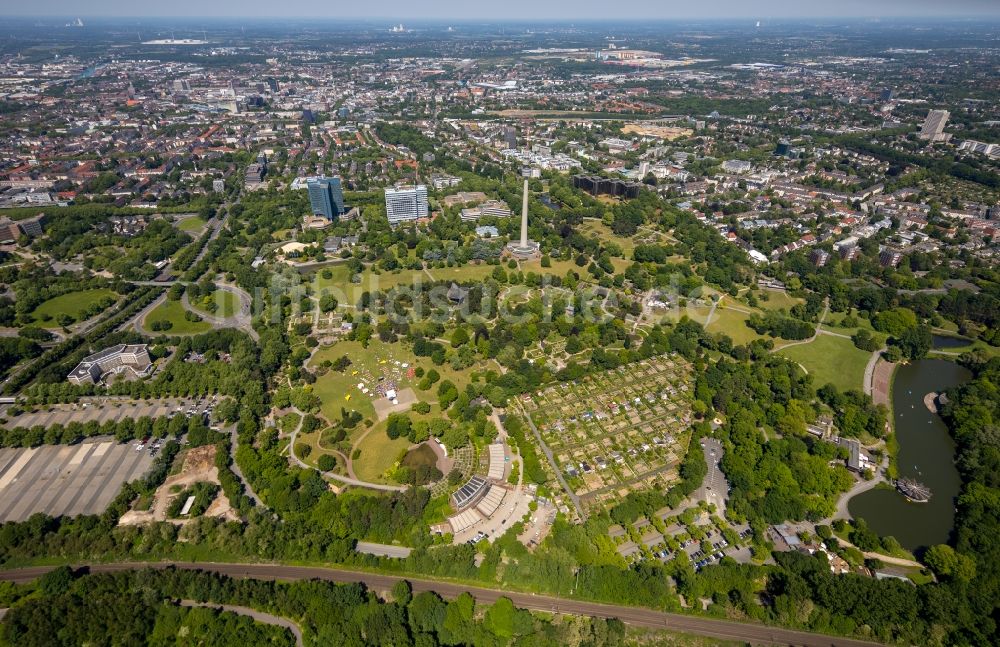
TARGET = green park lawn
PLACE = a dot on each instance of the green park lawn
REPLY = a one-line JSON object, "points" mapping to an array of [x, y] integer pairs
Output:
{"points": [[225, 301], [378, 454], [339, 276], [603, 233], [371, 281], [834, 322], [191, 225], [72, 304], [317, 449], [557, 268], [340, 286], [832, 360], [462, 273], [332, 387], [693, 312], [379, 358], [777, 299], [173, 311], [732, 323]]}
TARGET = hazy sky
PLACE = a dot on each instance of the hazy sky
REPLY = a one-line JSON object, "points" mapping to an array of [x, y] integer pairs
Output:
{"points": [[506, 10]]}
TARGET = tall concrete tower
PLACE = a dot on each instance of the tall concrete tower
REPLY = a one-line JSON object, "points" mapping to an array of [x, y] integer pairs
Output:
{"points": [[524, 216], [524, 248]]}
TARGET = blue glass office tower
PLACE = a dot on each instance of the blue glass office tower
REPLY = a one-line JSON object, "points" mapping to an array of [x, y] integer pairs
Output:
{"points": [[326, 196]]}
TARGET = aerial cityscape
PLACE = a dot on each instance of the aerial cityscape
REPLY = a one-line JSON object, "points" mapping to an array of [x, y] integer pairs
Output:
{"points": [[576, 327]]}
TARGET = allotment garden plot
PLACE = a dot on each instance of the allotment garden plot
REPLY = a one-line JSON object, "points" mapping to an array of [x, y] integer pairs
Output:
{"points": [[617, 431]]}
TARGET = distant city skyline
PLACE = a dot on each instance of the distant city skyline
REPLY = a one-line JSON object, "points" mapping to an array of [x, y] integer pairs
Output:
{"points": [[513, 10]]}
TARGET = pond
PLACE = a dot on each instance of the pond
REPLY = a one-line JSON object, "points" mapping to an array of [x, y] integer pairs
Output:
{"points": [[943, 342], [926, 454]]}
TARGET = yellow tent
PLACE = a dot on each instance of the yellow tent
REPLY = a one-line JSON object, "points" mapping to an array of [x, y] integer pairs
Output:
{"points": [[347, 397]]}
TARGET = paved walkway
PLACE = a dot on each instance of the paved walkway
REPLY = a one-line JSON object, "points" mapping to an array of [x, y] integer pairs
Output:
{"points": [[881, 382], [240, 319], [555, 468], [135, 322], [860, 487], [870, 370], [337, 477], [888, 559], [816, 333], [711, 312], [258, 616], [235, 467]]}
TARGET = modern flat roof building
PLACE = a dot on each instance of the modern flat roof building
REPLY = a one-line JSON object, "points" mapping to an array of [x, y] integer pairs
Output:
{"points": [[469, 493], [933, 128], [116, 359], [32, 226], [326, 196], [9, 231], [495, 208], [498, 461], [405, 203], [595, 185], [254, 176]]}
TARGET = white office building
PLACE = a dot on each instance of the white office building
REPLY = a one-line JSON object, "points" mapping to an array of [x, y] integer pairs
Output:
{"points": [[405, 203]]}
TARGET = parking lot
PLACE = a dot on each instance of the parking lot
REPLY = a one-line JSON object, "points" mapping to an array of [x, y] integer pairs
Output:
{"points": [[720, 548], [513, 510], [67, 479], [107, 409], [715, 487]]}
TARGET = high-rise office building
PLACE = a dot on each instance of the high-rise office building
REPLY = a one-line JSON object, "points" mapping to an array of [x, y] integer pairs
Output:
{"points": [[326, 195], [405, 203], [933, 129], [510, 137]]}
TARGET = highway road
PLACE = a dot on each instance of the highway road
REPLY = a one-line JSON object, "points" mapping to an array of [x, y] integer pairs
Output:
{"points": [[710, 627]]}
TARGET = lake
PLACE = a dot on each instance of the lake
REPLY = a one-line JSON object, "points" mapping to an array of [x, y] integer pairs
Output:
{"points": [[926, 454]]}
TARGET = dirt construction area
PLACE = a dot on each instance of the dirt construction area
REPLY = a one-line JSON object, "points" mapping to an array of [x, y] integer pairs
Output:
{"points": [[198, 466]]}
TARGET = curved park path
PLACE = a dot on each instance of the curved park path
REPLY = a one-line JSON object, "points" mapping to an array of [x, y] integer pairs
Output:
{"points": [[349, 480], [258, 616], [817, 332], [240, 319], [710, 627], [136, 321], [234, 467]]}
